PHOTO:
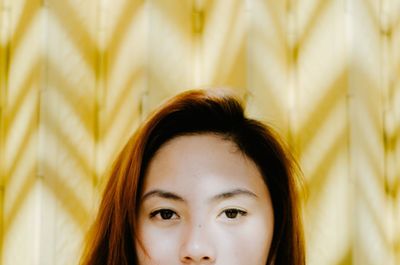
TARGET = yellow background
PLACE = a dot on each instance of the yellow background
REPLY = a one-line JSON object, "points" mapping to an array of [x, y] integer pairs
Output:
{"points": [[78, 76]]}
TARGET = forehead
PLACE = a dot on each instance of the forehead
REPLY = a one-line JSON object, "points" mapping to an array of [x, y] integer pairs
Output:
{"points": [[202, 161]]}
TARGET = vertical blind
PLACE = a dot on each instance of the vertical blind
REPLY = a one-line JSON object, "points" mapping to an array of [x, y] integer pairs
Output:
{"points": [[78, 76]]}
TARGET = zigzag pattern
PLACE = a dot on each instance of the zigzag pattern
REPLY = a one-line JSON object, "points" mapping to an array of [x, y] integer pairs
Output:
{"points": [[77, 77]]}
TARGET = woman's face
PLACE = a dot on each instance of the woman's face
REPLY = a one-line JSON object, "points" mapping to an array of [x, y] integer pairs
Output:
{"points": [[204, 202]]}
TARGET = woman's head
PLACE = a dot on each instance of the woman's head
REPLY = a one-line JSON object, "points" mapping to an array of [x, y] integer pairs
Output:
{"points": [[199, 183], [204, 202]]}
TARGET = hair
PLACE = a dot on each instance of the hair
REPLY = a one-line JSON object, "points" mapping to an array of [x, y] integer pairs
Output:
{"points": [[113, 234]]}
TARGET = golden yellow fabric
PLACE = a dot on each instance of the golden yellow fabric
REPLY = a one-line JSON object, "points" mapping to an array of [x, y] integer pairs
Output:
{"points": [[77, 77]]}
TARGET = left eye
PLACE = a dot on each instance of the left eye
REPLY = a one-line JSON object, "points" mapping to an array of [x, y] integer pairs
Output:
{"points": [[165, 214], [233, 213]]}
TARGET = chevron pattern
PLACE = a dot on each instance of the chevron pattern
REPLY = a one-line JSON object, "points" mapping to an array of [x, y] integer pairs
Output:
{"points": [[77, 78]]}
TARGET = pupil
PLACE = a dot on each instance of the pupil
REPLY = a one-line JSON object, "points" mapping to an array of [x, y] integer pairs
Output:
{"points": [[231, 213], [166, 214]]}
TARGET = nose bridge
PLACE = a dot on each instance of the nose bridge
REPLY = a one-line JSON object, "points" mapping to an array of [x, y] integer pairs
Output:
{"points": [[197, 244]]}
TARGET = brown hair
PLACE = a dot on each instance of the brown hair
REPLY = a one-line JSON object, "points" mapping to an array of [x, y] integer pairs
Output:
{"points": [[113, 234]]}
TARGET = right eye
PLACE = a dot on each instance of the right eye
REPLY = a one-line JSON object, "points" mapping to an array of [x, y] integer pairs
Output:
{"points": [[164, 214]]}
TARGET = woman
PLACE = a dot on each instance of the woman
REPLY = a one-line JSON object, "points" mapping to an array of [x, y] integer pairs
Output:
{"points": [[199, 183]]}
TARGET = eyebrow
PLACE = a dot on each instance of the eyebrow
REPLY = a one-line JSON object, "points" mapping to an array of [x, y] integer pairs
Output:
{"points": [[222, 196], [163, 194], [233, 193]]}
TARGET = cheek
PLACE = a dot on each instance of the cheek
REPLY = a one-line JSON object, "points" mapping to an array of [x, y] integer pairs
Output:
{"points": [[234, 244], [161, 246], [245, 244]]}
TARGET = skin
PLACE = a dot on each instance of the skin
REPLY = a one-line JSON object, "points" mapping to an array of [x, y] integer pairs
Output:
{"points": [[204, 202]]}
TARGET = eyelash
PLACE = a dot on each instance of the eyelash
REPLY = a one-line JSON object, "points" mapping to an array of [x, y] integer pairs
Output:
{"points": [[170, 213], [161, 212], [235, 212]]}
